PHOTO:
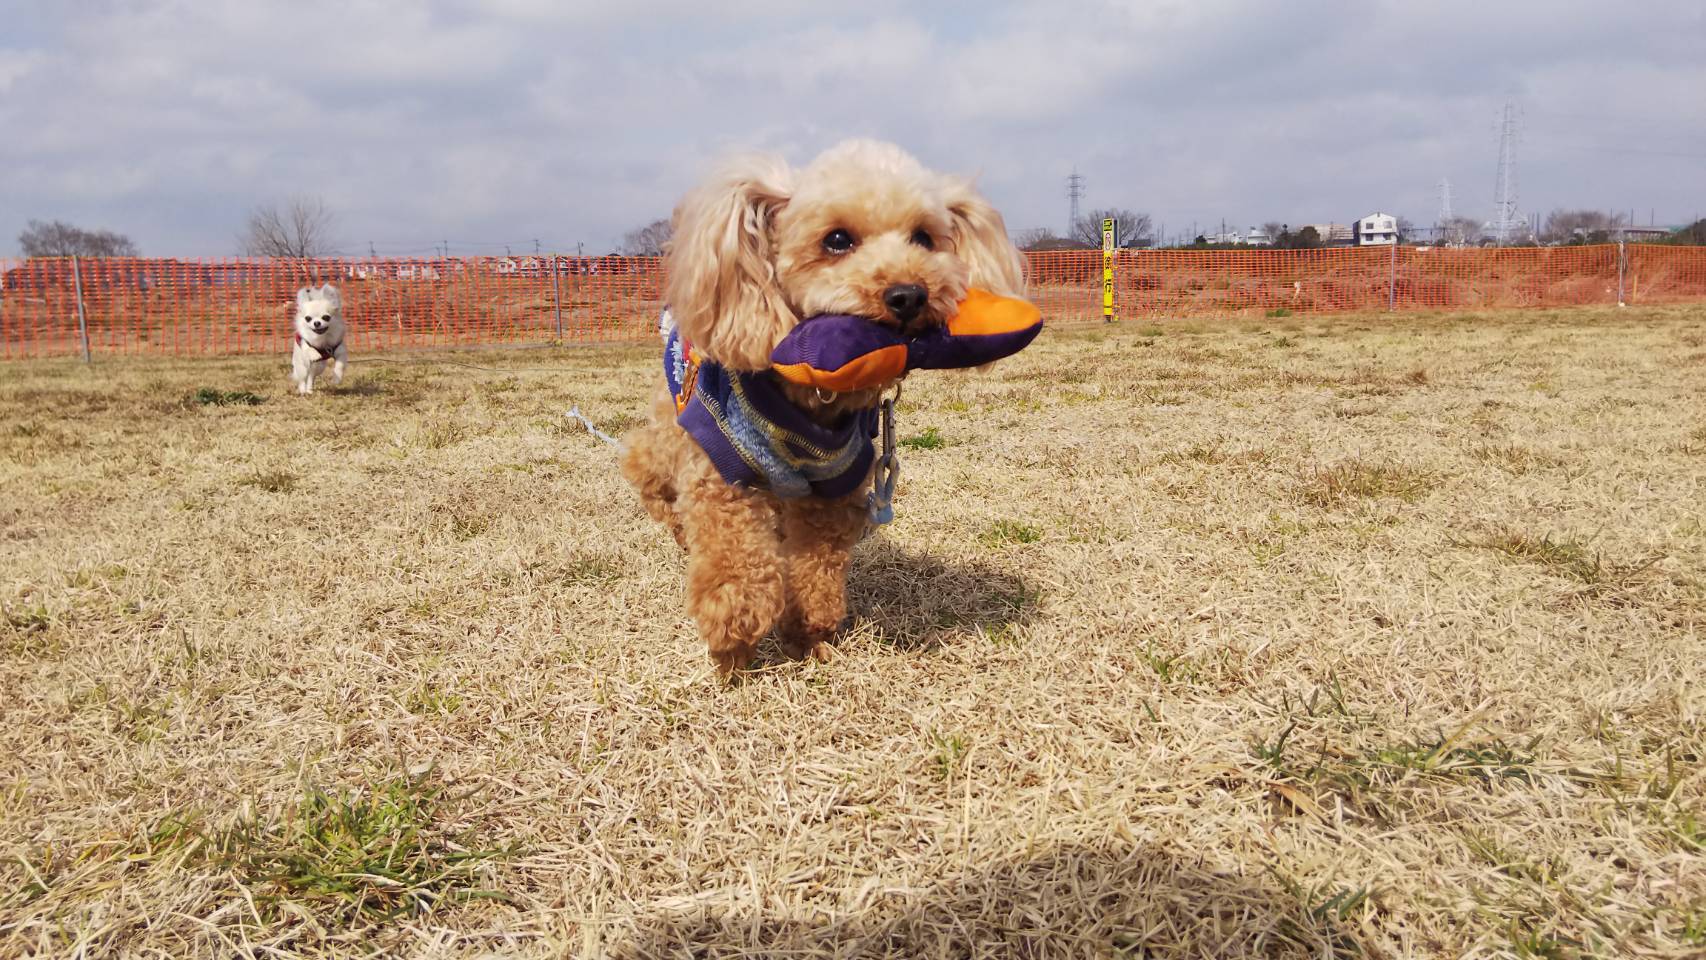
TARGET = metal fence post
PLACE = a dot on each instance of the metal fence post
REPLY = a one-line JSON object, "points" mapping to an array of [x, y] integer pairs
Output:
{"points": [[1392, 279], [82, 317], [1620, 268], [557, 293]]}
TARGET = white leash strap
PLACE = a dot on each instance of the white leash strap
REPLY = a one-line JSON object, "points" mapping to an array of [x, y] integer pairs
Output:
{"points": [[576, 414]]}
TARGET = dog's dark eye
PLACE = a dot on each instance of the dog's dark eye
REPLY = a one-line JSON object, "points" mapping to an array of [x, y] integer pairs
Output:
{"points": [[838, 241], [327, 317], [922, 237]]}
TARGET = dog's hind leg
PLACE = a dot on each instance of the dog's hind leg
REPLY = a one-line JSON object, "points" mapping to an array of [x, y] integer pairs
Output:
{"points": [[734, 571], [817, 547]]}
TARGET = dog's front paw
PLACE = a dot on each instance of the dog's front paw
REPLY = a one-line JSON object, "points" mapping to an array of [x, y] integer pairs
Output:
{"points": [[802, 639], [821, 651], [731, 660]]}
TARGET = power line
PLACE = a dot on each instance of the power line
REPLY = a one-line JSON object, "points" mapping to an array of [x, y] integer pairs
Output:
{"points": [[1597, 148]]}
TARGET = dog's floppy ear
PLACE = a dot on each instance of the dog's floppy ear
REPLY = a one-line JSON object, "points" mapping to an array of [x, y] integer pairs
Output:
{"points": [[303, 296], [722, 285], [980, 239], [329, 292]]}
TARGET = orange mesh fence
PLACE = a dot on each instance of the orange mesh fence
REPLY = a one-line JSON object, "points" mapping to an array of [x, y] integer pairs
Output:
{"points": [[1660, 274], [226, 306], [141, 306]]}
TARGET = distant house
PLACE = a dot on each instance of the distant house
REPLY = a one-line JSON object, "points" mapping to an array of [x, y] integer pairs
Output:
{"points": [[1376, 229], [1638, 234], [1333, 233], [1255, 238]]}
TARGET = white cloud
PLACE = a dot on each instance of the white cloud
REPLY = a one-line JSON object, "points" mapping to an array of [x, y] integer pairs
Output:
{"points": [[504, 120]]}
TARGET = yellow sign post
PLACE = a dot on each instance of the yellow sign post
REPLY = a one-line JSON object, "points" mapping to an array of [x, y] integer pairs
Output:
{"points": [[1108, 270]]}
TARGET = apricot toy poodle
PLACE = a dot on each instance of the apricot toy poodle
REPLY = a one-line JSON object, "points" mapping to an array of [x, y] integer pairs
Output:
{"points": [[764, 481]]}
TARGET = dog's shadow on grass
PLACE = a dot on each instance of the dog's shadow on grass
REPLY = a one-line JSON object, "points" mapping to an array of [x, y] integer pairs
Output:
{"points": [[365, 387], [388, 388], [1138, 900], [914, 600]]}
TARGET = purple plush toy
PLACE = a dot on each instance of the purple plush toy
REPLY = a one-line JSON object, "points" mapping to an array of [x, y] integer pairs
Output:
{"points": [[842, 353]]}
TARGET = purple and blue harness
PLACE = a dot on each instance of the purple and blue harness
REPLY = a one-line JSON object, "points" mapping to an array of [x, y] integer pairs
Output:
{"points": [[755, 436]]}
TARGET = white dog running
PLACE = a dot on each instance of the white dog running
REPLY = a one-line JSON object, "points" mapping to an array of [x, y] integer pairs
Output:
{"points": [[319, 337]]}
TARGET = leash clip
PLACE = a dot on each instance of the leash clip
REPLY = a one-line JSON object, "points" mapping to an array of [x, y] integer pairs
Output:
{"points": [[879, 503]]}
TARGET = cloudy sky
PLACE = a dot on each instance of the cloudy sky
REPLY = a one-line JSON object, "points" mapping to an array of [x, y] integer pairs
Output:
{"points": [[494, 122]]}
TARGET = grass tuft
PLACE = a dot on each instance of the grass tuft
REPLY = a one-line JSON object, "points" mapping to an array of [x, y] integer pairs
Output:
{"points": [[1354, 480], [1565, 556], [1512, 458], [1003, 532], [930, 439], [272, 481], [382, 852], [210, 397]]}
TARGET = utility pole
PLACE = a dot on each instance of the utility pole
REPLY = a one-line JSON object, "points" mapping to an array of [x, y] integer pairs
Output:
{"points": [[1075, 192], [1442, 225], [1505, 216]]}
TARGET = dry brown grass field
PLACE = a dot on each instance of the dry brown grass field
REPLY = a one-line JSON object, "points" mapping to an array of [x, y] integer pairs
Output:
{"points": [[1365, 636]]}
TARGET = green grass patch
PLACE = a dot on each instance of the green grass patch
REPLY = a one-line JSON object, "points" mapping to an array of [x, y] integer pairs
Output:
{"points": [[209, 397], [1565, 556], [1003, 532], [1354, 480], [382, 852], [930, 439]]}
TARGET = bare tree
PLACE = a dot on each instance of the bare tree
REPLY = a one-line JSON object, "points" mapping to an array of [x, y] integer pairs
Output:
{"points": [[1562, 226], [303, 228], [1406, 229], [648, 241], [1129, 227], [1458, 231], [57, 238], [1273, 228], [1033, 238]]}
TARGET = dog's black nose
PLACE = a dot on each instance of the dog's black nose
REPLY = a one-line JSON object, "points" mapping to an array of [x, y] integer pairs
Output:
{"points": [[904, 300]]}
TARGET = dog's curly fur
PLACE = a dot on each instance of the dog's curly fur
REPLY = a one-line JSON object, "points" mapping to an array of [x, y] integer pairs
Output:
{"points": [[747, 262]]}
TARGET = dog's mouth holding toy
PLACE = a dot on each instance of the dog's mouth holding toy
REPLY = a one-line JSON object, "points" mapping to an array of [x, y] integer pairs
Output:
{"points": [[841, 353]]}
